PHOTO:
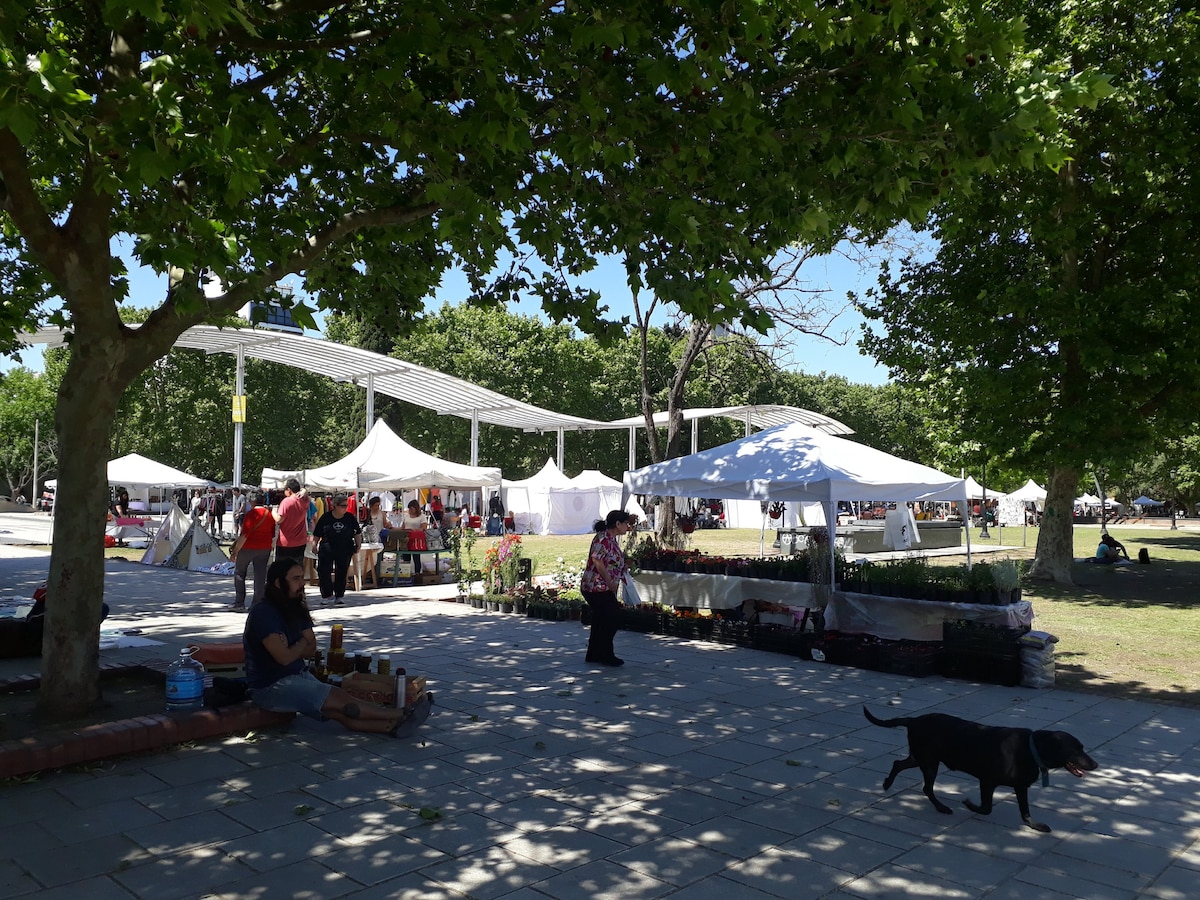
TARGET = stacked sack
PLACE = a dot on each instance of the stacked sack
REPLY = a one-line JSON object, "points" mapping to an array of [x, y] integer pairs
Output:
{"points": [[1037, 659]]}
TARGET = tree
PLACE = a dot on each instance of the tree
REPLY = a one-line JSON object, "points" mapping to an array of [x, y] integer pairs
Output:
{"points": [[25, 397], [368, 147], [1046, 327]]}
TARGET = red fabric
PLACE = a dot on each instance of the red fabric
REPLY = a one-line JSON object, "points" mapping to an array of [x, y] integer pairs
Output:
{"points": [[259, 528], [416, 541]]}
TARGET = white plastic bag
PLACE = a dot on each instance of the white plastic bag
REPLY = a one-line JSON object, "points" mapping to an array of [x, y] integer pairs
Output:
{"points": [[629, 594]]}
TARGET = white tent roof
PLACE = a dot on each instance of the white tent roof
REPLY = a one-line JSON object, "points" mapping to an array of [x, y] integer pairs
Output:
{"points": [[793, 462], [385, 462], [762, 415], [1088, 500], [975, 490], [545, 478], [591, 479], [1028, 491], [135, 471]]}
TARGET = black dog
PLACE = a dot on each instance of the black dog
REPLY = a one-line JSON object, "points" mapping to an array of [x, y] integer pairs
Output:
{"points": [[996, 756]]}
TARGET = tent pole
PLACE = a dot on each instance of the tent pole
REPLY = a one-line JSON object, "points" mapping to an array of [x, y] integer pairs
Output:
{"points": [[370, 402], [966, 509], [475, 441], [632, 448], [561, 447], [831, 527]]}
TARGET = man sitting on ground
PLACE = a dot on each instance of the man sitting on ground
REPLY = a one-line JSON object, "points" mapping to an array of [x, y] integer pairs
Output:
{"points": [[279, 640]]}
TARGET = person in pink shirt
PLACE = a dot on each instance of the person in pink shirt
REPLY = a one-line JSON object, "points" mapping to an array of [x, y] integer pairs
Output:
{"points": [[292, 517]]}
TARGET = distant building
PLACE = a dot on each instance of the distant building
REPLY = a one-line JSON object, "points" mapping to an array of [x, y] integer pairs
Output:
{"points": [[270, 314]]}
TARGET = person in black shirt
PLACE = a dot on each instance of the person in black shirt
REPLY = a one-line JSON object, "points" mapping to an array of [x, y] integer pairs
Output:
{"points": [[338, 536], [278, 641]]}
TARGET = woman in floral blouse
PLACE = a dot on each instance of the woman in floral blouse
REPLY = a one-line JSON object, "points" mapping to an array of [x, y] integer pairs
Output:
{"points": [[606, 568]]}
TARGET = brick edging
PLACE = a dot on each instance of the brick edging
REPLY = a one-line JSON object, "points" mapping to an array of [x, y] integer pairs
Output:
{"points": [[123, 736]]}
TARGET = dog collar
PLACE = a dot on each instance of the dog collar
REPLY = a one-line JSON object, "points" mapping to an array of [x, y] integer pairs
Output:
{"points": [[1038, 762]]}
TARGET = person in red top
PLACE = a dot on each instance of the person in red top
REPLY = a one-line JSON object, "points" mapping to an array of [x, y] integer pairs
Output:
{"points": [[252, 548], [292, 517]]}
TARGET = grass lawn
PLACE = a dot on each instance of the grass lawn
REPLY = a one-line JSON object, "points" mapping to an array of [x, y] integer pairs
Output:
{"points": [[1130, 631]]}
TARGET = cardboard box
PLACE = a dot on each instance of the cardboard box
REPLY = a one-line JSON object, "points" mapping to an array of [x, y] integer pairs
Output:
{"points": [[414, 687], [373, 688]]}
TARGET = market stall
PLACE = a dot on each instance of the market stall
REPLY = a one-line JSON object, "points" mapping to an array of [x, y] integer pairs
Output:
{"points": [[792, 463], [898, 618]]}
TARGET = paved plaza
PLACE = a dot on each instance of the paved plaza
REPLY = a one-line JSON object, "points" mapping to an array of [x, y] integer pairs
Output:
{"points": [[696, 771]]}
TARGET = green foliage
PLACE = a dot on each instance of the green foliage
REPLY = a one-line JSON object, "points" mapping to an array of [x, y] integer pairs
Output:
{"points": [[1044, 326], [25, 397]]}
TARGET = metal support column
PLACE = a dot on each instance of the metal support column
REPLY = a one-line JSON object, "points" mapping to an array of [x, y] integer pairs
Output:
{"points": [[239, 390]]}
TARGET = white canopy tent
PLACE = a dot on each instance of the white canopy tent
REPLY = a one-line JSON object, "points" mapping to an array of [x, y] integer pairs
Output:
{"points": [[551, 503], [137, 472], [975, 490], [795, 463], [528, 499], [1029, 492], [589, 496], [385, 462]]}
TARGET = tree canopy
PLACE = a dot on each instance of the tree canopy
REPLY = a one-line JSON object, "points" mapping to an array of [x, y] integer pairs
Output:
{"points": [[367, 147], [1049, 326]]}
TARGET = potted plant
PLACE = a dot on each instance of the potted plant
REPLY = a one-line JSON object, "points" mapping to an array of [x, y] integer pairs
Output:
{"points": [[1007, 577], [980, 583]]}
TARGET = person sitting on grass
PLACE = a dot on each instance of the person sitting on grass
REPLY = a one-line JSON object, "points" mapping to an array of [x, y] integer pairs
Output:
{"points": [[279, 640], [1110, 550]]}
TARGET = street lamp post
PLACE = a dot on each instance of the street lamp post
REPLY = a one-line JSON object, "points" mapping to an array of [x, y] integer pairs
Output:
{"points": [[1173, 528]]}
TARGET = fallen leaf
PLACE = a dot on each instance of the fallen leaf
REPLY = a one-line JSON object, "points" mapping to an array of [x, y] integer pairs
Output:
{"points": [[429, 814], [794, 762]]}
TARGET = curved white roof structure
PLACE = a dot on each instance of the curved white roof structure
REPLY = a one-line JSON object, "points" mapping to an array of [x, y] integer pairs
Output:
{"points": [[442, 393]]}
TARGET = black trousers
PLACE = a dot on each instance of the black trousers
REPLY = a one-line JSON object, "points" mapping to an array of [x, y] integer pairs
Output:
{"points": [[332, 568], [604, 608]]}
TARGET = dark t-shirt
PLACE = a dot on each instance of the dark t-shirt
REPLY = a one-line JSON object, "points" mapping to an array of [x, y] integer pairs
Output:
{"points": [[338, 534], [263, 621]]}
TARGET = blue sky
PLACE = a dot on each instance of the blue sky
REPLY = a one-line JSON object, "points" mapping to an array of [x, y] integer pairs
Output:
{"points": [[834, 274]]}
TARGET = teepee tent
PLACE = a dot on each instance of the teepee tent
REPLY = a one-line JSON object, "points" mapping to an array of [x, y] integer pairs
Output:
{"points": [[198, 551], [170, 533]]}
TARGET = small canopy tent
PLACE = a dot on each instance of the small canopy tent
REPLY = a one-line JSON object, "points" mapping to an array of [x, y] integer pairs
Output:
{"points": [[139, 474], [1147, 501], [975, 490], [385, 462], [795, 463], [589, 496], [1029, 492], [528, 499]]}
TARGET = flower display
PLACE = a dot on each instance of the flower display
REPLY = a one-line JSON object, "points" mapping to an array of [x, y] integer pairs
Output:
{"points": [[502, 562]]}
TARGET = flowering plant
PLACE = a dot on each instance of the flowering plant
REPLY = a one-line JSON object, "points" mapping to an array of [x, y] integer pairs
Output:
{"points": [[566, 576], [502, 562]]}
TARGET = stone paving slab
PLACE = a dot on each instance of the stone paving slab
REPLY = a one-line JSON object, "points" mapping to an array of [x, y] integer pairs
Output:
{"points": [[694, 772]]}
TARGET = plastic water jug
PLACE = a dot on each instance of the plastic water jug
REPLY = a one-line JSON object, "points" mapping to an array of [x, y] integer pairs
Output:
{"points": [[185, 682]]}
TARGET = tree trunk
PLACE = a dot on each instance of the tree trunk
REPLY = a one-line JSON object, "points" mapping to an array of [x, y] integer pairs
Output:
{"points": [[1056, 540], [87, 402]]}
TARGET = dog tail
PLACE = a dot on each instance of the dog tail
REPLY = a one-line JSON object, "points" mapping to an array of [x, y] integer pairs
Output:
{"points": [[886, 723]]}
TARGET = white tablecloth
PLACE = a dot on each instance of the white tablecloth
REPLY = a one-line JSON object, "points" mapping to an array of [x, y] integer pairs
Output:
{"points": [[895, 619], [717, 591]]}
